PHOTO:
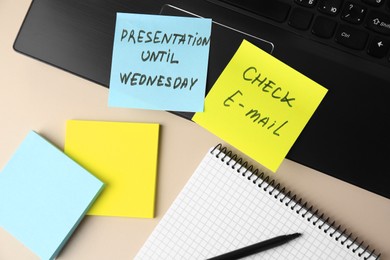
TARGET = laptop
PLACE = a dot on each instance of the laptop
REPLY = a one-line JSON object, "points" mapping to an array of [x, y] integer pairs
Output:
{"points": [[342, 45]]}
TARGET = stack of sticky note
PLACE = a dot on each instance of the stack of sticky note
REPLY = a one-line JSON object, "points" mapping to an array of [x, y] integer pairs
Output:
{"points": [[44, 195], [124, 156]]}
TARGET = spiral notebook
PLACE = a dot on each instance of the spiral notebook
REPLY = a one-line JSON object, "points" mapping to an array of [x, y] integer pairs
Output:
{"points": [[227, 204]]}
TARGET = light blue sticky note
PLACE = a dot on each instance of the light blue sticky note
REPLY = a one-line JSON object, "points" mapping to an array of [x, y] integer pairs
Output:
{"points": [[44, 195], [159, 62]]}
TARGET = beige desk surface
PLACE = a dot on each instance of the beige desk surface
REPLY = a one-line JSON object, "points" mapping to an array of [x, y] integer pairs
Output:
{"points": [[36, 96]]}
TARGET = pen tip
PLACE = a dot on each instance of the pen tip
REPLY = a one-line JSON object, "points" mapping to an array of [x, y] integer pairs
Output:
{"points": [[295, 235]]}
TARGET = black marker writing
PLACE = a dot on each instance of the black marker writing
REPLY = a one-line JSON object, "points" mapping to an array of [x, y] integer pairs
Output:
{"points": [[159, 37], [264, 120], [230, 99], [254, 114], [139, 79], [267, 86], [161, 56]]}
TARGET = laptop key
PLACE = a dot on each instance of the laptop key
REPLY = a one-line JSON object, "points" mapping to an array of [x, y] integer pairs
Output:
{"points": [[353, 13], [323, 27], [272, 9], [374, 2], [378, 47], [300, 19], [379, 22], [330, 7], [351, 37], [306, 3]]}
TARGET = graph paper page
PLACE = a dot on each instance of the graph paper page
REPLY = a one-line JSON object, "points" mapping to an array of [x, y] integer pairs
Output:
{"points": [[219, 210]]}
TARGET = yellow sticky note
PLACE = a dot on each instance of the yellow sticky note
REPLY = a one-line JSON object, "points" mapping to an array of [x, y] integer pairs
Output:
{"points": [[260, 105], [124, 156]]}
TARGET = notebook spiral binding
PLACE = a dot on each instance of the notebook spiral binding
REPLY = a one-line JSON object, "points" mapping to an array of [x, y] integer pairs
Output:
{"points": [[296, 204]]}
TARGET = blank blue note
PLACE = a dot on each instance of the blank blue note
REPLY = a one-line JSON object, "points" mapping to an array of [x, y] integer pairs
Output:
{"points": [[44, 195]]}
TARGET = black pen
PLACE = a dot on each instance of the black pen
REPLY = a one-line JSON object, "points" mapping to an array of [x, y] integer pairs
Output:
{"points": [[256, 248]]}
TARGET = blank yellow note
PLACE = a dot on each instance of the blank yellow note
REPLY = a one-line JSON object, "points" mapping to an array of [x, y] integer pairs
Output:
{"points": [[260, 105], [122, 155]]}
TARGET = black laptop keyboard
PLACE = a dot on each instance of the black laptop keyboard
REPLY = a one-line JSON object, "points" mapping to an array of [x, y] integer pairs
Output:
{"points": [[360, 27]]}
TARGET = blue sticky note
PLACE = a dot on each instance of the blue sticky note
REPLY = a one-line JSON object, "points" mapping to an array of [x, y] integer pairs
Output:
{"points": [[44, 195], [159, 62]]}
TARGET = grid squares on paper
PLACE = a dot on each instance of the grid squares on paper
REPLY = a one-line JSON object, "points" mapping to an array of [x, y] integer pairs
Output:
{"points": [[219, 210]]}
